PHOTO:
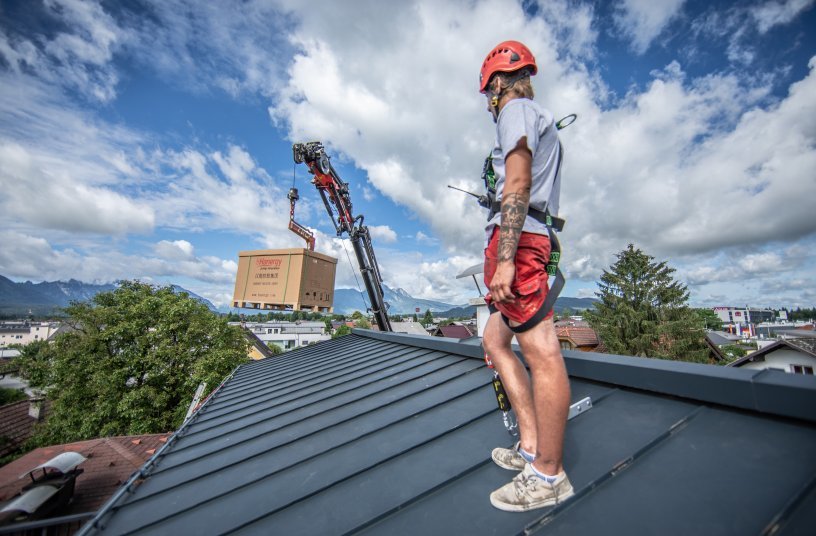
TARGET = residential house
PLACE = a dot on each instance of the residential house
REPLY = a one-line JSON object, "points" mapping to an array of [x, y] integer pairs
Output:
{"points": [[384, 433], [17, 422], [24, 332], [796, 356], [288, 335], [257, 348], [109, 463], [452, 331], [577, 336]]}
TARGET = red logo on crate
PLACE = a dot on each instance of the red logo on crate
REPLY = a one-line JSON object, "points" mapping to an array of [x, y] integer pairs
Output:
{"points": [[268, 262]]}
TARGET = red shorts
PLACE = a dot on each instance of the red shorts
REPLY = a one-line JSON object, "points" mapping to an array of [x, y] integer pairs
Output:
{"points": [[530, 285]]}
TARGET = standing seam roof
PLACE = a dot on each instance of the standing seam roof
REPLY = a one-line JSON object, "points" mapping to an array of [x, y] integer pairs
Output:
{"points": [[391, 434]]}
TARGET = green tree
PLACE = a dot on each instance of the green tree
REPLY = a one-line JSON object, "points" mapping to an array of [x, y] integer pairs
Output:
{"points": [[8, 395], [363, 323], [341, 331], [709, 319], [356, 315], [643, 311], [734, 351], [427, 319], [132, 363]]}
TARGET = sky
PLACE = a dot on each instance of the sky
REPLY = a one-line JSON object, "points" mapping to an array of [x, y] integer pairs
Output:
{"points": [[152, 139]]}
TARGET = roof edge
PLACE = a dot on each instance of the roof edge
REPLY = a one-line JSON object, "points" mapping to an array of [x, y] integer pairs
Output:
{"points": [[765, 391], [443, 344]]}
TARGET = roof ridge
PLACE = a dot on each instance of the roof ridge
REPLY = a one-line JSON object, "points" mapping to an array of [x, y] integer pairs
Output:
{"points": [[124, 452]]}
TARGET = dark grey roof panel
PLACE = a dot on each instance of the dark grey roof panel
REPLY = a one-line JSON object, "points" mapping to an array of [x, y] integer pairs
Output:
{"points": [[723, 482], [391, 434], [800, 516], [596, 442]]}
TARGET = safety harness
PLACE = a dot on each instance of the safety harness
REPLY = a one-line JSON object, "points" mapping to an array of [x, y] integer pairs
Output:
{"points": [[553, 223]]}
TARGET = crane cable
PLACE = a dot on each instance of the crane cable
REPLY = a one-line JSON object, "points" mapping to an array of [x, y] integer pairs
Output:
{"points": [[354, 272]]}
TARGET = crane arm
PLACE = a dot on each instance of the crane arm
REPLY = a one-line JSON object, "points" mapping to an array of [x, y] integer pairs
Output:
{"points": [[335, 195]]}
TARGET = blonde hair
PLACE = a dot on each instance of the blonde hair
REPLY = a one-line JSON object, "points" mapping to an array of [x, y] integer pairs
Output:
{"points": [[522, 88]]}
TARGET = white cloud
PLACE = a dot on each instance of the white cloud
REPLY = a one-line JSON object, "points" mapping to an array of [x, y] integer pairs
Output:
{"points": [[382, 233], [643, 20], [684, 167], [177, 250], [78, 58], [26, 256], [422, 238], [585, 293], [775, 12]]}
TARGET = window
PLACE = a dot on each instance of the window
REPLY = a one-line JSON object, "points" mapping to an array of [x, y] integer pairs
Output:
{"points": [[801, 369], [565, 345]]}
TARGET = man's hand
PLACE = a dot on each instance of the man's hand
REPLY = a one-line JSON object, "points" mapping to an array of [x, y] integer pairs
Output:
{"points": [[501, 285]]}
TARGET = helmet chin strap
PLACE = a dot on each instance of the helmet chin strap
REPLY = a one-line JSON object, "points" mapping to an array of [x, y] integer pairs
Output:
{"points": [[494, 107]]}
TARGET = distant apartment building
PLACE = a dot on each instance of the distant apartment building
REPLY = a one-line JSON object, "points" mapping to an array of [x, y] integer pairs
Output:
{"points": [[288, 335], [743, 320], [24, 332]]}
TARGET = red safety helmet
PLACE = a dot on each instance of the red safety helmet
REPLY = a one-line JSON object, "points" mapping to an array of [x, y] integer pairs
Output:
{"points": [[506, 57]]}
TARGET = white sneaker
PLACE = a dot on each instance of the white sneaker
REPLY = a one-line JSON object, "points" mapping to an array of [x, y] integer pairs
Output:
{"points": [[509, 458], [527, 491]]}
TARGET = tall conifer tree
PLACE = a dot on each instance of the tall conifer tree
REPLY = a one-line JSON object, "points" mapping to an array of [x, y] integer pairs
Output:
{"points": [[644, 312]]}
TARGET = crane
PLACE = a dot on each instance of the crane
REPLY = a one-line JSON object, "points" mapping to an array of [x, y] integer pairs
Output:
{"points": [[335, 195]]}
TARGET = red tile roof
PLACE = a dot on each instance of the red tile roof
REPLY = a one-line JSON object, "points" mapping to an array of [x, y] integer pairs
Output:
{"points": [[580, 336], [110, 463], [453, 331], [16, 426]]}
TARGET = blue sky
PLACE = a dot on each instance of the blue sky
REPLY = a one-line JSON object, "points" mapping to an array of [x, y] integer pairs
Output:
{"points": [[153, 141]]}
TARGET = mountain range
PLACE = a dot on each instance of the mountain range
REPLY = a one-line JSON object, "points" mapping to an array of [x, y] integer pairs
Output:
{"points": [[46, 298], [347, 300]]}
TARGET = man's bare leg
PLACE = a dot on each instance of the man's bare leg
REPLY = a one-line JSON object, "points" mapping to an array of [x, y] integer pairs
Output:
{"points": [[551, 393], [496, 339]]}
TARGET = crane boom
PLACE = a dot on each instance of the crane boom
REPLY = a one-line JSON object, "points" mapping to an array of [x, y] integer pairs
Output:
{"points": [[335, 195]]}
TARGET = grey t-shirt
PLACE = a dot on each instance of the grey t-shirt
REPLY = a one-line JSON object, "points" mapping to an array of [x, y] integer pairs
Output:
{"points": [[520, 118]]}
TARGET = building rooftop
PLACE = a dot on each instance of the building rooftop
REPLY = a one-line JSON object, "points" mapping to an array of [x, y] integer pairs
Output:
{"points": [[453, 332], [581, 336], [382, 433], [110, 462], [804, 345], [413, 328], [17, 424]]}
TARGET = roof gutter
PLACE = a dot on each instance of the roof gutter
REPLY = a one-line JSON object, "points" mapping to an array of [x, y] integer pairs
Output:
{"points": [[146, 469]]}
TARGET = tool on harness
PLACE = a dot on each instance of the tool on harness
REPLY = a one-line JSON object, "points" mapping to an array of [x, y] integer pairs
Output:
{"points": [[508, 418]]}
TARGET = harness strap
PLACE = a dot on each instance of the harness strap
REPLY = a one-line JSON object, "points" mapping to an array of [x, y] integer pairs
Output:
{"points": [[552, 294], [541, 216]]}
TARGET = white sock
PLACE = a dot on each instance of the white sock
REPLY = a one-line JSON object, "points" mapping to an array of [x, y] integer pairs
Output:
{"points": [[549, 479], [526, 455]]}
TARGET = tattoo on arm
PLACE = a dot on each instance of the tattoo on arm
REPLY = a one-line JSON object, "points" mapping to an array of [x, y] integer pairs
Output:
{"points": [[513, 212]]}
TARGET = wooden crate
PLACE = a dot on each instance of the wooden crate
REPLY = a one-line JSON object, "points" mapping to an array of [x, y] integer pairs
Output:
{"points": [[285, 280]]}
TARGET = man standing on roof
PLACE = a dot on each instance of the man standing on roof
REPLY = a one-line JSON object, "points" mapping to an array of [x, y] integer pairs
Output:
{"points": [[524, 169]]}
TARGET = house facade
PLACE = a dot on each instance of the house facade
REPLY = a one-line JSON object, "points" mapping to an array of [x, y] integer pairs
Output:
{"points": [[795, 356], [26, 332], [289, 335]]}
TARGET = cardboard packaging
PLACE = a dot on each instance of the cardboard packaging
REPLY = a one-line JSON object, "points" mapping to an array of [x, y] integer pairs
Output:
{"points": [[284, 279]]}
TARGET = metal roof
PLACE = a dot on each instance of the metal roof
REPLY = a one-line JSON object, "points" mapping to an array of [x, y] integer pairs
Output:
{"points": [[382, 433]]}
